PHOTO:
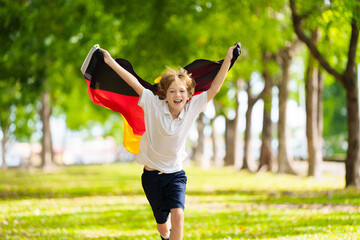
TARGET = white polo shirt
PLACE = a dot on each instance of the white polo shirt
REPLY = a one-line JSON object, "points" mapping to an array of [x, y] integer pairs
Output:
{"points": [[162, 147]]}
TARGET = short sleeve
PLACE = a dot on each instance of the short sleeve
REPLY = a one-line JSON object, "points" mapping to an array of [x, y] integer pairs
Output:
{"points": [[198, 103], [146, 98]]}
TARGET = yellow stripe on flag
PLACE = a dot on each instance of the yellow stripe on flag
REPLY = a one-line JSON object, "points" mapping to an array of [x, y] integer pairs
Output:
{"points": [[131, 141]]}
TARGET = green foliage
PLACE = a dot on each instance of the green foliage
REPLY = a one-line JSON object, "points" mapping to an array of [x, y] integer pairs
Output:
{"points": [[107, 202], [18, 88], [334, 120], [43, 50], [334, 24], [17, 117], [334, 116]]}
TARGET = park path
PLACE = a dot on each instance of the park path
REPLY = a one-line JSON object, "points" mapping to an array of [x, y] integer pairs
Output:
{"points": [[331, 168]]}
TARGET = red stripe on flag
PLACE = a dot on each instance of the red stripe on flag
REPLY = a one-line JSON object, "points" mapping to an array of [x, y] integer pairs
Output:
{"points": [[125, 105]]}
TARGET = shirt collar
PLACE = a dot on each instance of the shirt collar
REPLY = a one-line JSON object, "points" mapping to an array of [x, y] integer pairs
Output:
{"points": [[166, 111]]}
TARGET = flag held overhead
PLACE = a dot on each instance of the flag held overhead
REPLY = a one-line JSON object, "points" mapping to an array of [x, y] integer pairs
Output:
{"points": [[106, 88]]}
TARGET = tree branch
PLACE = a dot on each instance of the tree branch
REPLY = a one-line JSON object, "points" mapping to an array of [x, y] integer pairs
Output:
{"points": [[351, 65], [311, 45], [253, 100], [308, 13], [305, 15], [261, 95]]}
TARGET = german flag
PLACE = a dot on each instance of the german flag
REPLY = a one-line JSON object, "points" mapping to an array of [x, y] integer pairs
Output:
{"points": [[106, 88]]}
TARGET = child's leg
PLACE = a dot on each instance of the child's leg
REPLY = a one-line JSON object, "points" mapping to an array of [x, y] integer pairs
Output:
{"points": [[151, 181], [164, 228], [177, 223]]}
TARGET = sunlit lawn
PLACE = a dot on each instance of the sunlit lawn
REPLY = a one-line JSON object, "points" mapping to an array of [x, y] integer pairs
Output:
{"points": [[107, 202]]}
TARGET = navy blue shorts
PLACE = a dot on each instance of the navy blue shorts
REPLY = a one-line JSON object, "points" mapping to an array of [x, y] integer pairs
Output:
{"points": [[164, 192]]}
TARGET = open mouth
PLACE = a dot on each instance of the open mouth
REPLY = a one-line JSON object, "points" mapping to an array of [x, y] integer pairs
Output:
{"points": [[177, 101]]}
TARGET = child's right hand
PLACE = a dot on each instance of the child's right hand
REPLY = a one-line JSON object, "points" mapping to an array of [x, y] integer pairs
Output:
{"points": [[107, 56]]}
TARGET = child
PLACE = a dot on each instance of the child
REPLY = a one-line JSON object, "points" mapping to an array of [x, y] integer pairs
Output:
{"points": [[168, 119]]}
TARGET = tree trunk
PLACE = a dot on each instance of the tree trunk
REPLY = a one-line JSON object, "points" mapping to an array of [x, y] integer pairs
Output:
{"points": [[247, 137], [321, 78], [216, 140], [352, 159], [199, 150], [238, 140], [46, 152], [3, 146], [230, 134], [251, 103], [313, 118], [352, 104], [284, 158], [266, 160]]}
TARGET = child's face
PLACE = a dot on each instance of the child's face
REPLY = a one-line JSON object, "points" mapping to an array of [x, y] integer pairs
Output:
{"points": [[176, 96]]}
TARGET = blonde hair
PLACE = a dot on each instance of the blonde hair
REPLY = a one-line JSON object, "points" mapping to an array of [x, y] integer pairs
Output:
{"points": [[170, 76]]}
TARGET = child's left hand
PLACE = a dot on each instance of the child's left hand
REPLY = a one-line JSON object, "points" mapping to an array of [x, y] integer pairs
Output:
{"points": [[107, 56], [230, 52]]}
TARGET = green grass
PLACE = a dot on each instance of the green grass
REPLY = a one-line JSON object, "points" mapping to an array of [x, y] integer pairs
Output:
{"points": [[107, 202]]}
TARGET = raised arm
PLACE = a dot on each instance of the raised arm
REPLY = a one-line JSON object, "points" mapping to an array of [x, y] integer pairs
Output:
{"points": [[129, 78], [221, 75]]}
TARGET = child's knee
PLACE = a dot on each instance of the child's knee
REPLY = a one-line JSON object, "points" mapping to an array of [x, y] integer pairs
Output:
{"points": [[177, 215], [163, 228]]}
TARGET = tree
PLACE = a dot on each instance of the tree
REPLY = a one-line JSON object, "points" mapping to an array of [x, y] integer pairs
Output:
{"points": [[266, 160], [198, 151], [345, 75], [284, 58], [314, 88], [55, 43], [270, 25], [18, 87], [7, 115], [275, 39], [250, 105], [216, 141], [230, 139]]}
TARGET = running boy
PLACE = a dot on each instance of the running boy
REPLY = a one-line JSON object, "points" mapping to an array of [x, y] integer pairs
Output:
{"points": [[168, 119]]}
